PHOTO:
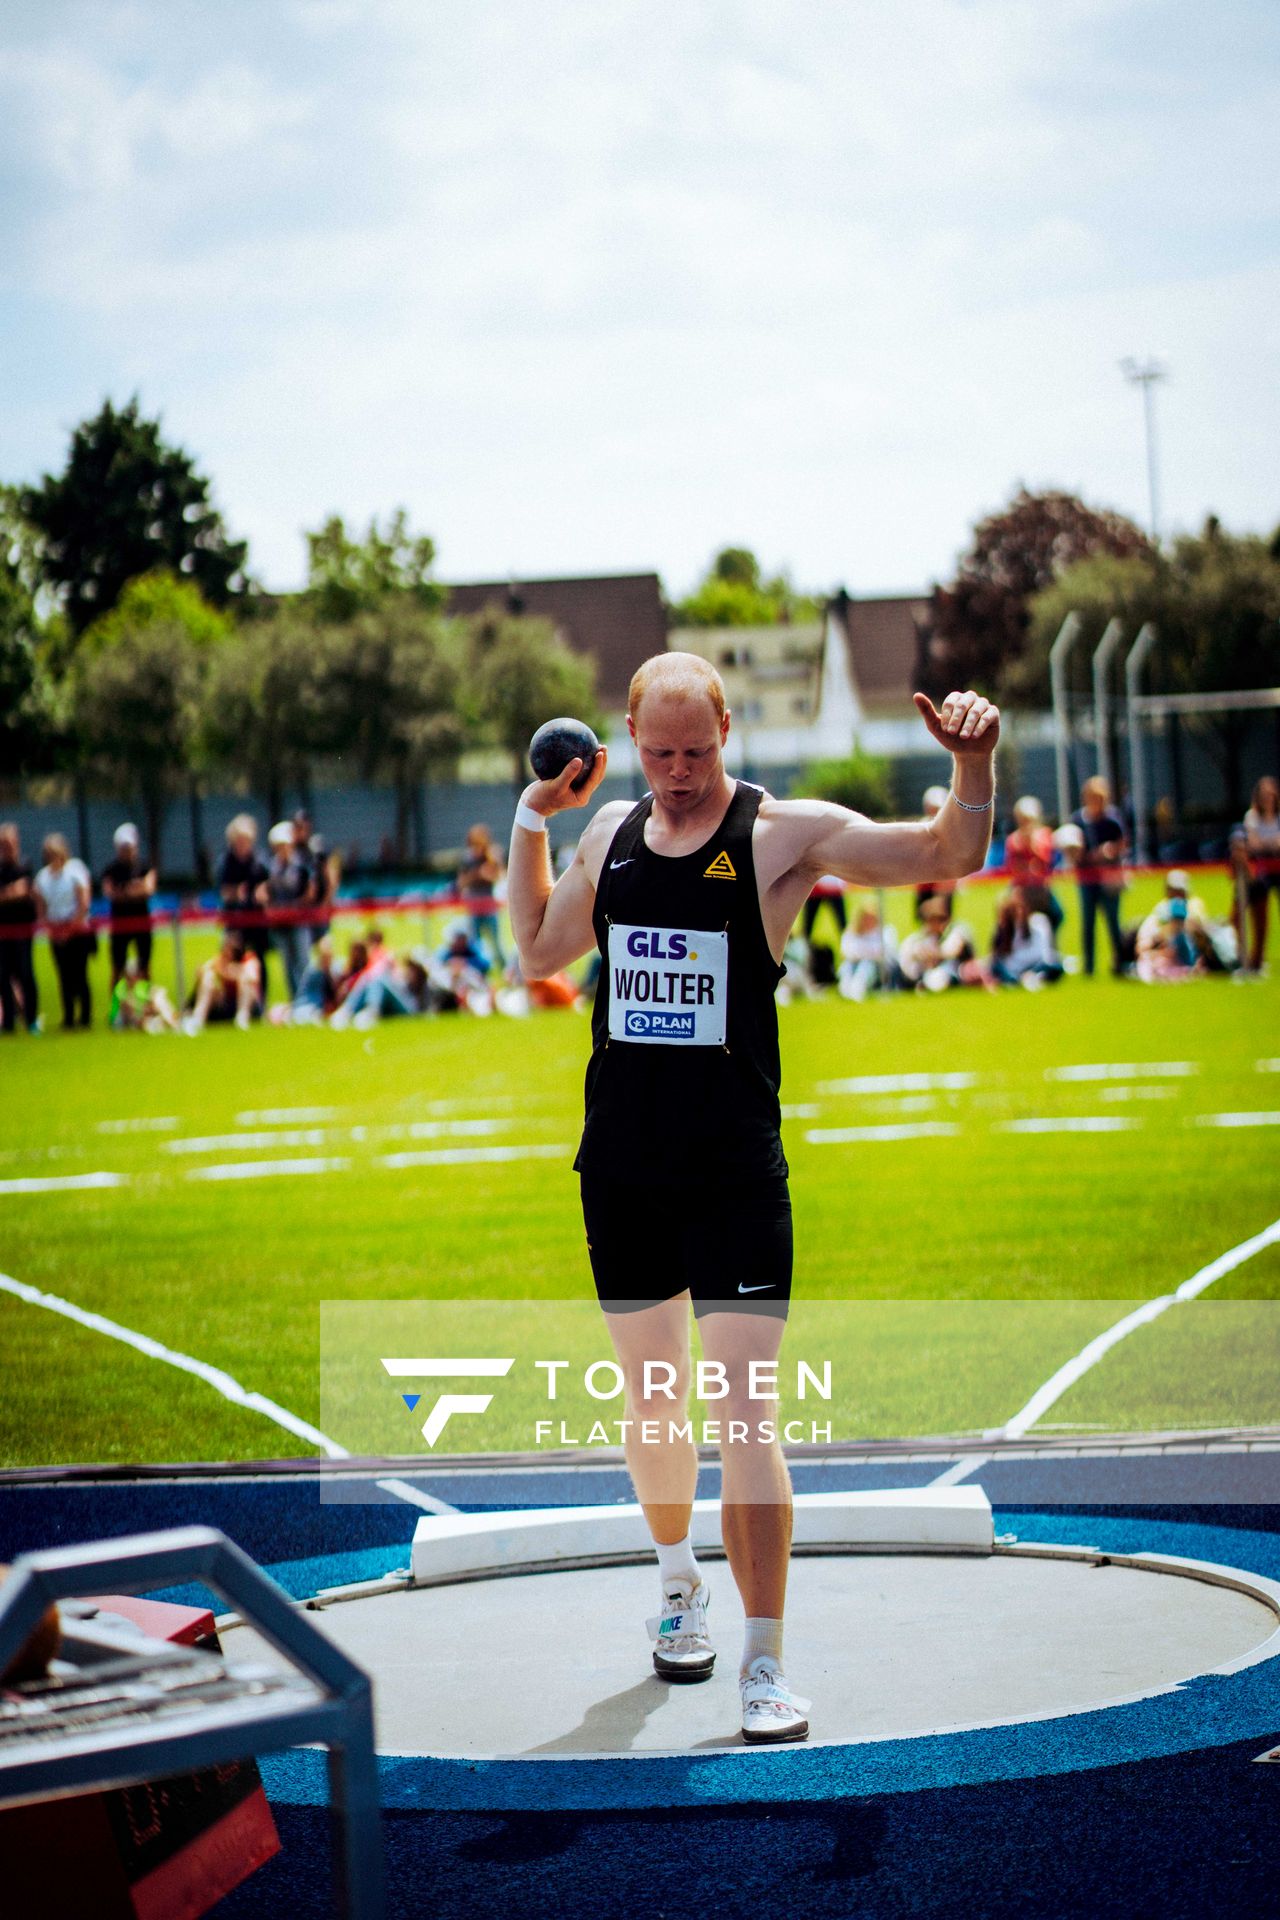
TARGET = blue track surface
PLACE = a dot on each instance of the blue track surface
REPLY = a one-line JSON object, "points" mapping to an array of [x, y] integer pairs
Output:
{"points": [[1154, 1808]]}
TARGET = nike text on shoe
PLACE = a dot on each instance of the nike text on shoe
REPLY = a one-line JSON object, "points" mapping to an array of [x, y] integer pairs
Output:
{"points": [[771, 1713], [682, 1649]]}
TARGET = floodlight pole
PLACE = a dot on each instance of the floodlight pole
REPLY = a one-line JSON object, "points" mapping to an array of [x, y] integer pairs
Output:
{"points": [[1102, 653], [1067, 635], [1144, 374], [1134, 659]]}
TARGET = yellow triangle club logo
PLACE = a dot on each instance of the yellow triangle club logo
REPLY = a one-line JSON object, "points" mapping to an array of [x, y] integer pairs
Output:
{"points": [[721, 868]]}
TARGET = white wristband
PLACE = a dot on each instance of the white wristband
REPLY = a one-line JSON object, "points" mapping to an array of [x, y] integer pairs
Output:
{"points": [[531, 822]]}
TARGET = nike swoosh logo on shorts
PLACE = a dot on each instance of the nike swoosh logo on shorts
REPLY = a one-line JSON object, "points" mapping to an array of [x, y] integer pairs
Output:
{"points": [[762, 1288]]}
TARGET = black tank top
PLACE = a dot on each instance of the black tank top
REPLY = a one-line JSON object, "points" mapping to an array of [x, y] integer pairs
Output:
{"points": [[678, 1106]]}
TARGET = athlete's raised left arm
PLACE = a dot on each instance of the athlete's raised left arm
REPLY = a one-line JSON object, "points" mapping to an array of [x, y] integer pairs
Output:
{"points": [[833, 839]]}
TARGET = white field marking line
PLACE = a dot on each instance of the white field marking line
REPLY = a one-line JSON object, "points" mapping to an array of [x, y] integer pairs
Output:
{"points": [[427, 1501], [1127, 1070], [1266, 1066], [960, 1470], [1137, 1093], [851, 1136], [1057, 1384], [64, 1182], [153, 1349], [802, 1110], [1237, 1120], [467, 1156], [162, 1123], [285, 1116], [1077, 1123], [265, 1169], [900, 1083], [332, 1136]]}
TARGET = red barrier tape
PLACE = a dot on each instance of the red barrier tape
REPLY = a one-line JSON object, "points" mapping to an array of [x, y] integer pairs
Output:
{"points": [[264, 918]]}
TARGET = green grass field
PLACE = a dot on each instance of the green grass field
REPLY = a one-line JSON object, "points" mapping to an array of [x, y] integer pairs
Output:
{"points": [[948, 1274]]}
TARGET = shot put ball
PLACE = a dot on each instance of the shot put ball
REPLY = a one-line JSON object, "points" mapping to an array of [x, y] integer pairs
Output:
{"points": [[556, 743]]}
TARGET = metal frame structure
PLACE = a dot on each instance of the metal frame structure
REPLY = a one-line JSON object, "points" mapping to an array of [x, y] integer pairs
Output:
{"points": [[328, 1699]]}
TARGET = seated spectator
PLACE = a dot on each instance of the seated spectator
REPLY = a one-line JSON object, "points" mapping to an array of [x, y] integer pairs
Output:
{"points": [[520, 996], [868, 957], [317, 994], [458, 974], [228, 987], [1023, 952], [1028, 859], [1177, 938], [139, 1006], [941, 952], [797, 982]]}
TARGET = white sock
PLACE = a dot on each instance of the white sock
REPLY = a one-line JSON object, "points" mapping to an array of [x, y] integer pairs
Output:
{"points": [[763, 1637], [676, 1563]]}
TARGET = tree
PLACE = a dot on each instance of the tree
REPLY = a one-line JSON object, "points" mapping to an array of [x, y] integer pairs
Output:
{"points": [[394, 677], [522, 673], [28, 699], [979, 623], [733, 594], [1214, 599], [128, 504], [864, 782], [137, 685], [346, 576], [267, 708]]}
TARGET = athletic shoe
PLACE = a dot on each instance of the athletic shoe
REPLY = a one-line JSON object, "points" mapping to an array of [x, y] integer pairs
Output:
{"points": [[770, 1711], [682, 1648]]}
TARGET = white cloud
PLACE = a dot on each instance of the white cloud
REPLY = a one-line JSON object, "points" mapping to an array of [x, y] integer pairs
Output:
{"points": [[595, 287]]}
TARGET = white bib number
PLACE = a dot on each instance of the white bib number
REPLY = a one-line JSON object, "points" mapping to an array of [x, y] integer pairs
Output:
{"points": [[668, 985]]}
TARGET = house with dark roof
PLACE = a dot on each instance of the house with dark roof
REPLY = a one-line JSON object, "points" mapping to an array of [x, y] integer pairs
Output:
{"points": [[615, 620]]}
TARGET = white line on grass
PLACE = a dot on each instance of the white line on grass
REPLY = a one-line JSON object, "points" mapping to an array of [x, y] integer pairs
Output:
{"points": [[222, 1142], [1058, 1383], [1238, 1120], [467, 1156], [162, 1123], [1266, 1066], [212, 1376], [285, 1116], [332, 1136], [1127, 1070], [1137, 1093], [264, 1169], [900, 1083], [1074, 1123], [64, 1182], [852, 1136]]}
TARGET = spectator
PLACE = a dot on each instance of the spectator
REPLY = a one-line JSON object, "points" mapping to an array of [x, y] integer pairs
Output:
{"points": [[317, 994], [1023, 952], [321, 868], [1261, 850], [478, 875], [62, 896], [375, 990], [129, 884], [932, 802], [459, 974], [139, 1005], [941, 953], [228, 987], [242, 888], [288, 888], [868, 957], [1099, 864], [830, 890], [1028, 859], [17, 936], [1177, 938]]}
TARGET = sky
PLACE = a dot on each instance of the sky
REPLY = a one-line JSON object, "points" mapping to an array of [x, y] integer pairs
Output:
{"points": [[594, 286]]}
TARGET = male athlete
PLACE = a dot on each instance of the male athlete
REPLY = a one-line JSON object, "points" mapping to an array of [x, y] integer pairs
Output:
{"points": [[690, 896]]}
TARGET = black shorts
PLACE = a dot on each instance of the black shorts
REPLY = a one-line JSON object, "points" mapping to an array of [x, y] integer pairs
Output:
{"points": [[120, 944], [729, 1243]]}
